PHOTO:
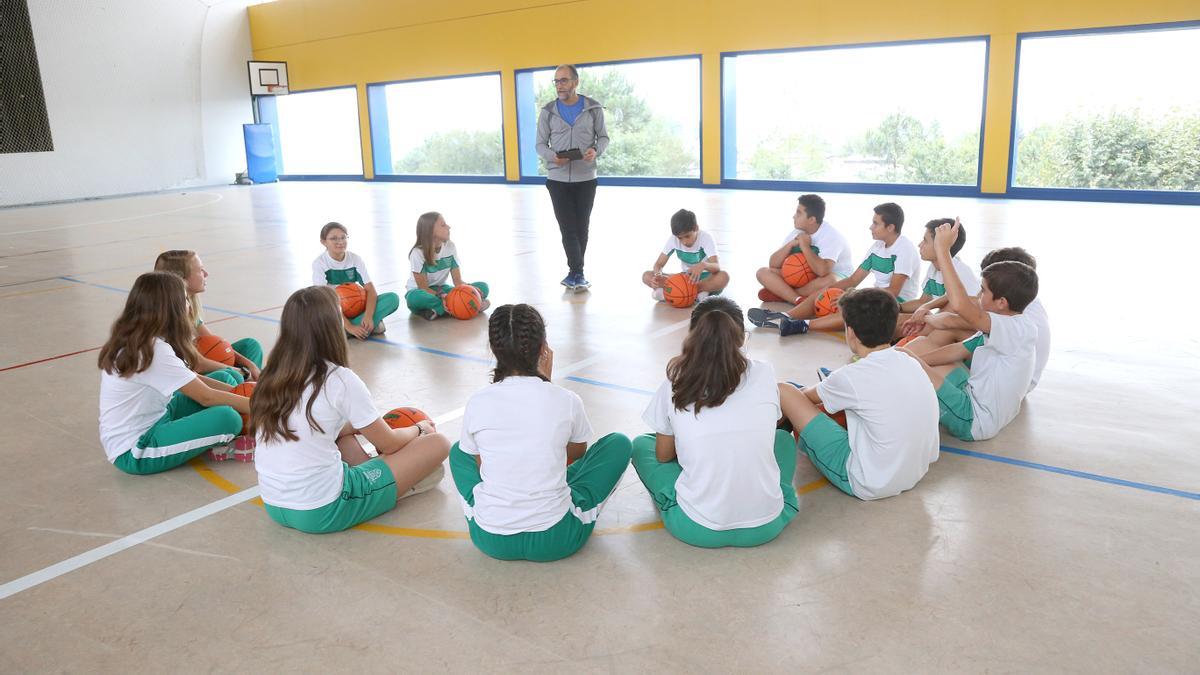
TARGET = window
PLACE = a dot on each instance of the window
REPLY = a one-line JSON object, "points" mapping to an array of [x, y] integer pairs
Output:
{"points": [[906, 113], [651, 110], [317, 132], [1109, 110], [444, 127]]}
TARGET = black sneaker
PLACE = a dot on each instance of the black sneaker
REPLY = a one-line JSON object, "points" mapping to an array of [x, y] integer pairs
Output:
{"points": [[765, 318], [792, 326]]}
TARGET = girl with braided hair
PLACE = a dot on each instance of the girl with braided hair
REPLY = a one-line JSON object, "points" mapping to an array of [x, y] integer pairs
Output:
{"points": [[716, 466], [521, 499]]}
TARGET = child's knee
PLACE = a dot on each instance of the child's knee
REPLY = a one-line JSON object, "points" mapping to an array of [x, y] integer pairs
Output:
{"points": [[227, 376], [227, 419]]}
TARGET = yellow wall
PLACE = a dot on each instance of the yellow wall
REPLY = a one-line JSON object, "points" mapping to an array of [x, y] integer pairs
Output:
{"points": [[338, 42]]}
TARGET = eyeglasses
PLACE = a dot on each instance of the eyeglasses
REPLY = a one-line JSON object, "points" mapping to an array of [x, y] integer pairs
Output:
{"points": [[563, 80], [337, 240]]}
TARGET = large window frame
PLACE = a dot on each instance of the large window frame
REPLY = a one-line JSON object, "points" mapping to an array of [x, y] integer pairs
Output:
{"points": [[728, 121], [1087, 194], [266, 111], [380, 135], [527, 126]]}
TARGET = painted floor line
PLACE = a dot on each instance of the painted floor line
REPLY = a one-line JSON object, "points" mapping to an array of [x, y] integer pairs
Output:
{"points": [[124, 219]]}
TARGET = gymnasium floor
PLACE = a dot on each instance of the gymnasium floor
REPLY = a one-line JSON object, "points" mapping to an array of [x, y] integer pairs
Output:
{"points": [[1068, 543]]}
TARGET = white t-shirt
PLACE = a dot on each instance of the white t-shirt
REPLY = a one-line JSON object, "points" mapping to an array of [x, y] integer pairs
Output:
{"points": [[892, 414], [520, 428], [1002, 366], [436, 274], [828, 244], [935, 286], [704, 248], [129, 406], [1037, 313], [352, 269], [899, 258], [730, 478], [307, 473]]}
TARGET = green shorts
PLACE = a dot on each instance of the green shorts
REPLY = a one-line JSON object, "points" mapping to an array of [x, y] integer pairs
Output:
{"points": [[368, 490], [954, 404], [827, 444]]}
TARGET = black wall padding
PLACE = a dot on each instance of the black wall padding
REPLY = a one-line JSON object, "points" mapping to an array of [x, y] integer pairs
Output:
{"points": [[24, 126]]}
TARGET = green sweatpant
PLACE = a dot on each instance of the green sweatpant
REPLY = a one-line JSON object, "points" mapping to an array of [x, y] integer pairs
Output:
{"points": [[385, 305], [249, 348], [592, 479], [185, 430], [660, 478], [419, 300]]}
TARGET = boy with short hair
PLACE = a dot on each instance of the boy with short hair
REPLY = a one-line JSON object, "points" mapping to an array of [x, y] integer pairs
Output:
{"points": [[891, 411], [697, 253], [824, 248], [976, 404], [893, 260], [933, 290]]}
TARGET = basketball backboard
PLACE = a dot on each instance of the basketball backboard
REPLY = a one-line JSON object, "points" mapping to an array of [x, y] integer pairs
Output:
{"points": [[268, 78]]}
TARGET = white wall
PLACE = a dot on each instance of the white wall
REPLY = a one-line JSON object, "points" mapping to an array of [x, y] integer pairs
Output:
{"points": [[142, 95]]}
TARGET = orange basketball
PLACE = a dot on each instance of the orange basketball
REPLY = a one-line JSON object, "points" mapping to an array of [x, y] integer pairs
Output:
{"points": [[399, 418], [463, 302], [839, 416], [213, 347], [796, 271], [353, 298], [905, 340], [245, 389], [827, 301], [679, 291]]}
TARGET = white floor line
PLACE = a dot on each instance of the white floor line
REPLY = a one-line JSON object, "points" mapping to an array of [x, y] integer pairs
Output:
{"points": [[100, 553], [219, 197]]}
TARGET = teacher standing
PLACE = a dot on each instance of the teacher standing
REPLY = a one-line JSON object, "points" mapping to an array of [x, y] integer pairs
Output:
{"points": [[570, 136]]}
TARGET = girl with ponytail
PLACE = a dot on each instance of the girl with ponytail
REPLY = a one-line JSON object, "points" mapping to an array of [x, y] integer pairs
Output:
{"points": [[716, 467], [521, 499]]}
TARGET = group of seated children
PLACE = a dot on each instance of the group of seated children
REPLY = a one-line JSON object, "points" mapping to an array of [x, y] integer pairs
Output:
{"points": [[720, 462]]}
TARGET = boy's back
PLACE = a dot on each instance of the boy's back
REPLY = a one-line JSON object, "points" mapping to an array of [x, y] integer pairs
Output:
{"points": [[892, 414], [1002, 366]]}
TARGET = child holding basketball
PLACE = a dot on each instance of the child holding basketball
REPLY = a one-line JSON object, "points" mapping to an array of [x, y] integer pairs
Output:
{"points": [[155, 413], [247, 352], [825, 250], [716, 466], [521, 499], [338, 266], [891, 412], [933, 290], [697, 253], [892, 259], [307, 408], [976, 404], [434, 259]]}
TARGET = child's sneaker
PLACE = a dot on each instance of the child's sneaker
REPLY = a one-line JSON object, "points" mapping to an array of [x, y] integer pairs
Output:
{"points": [[701, 296], [823, 373], [427, 483], [427, 314], [767, 296], [379, 329], [792, 327], [657, 294], [220, 453], [243, 449], [765, 318]]}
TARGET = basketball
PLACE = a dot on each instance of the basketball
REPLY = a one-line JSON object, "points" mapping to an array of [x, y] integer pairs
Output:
{"points": [[463, 302], [905, 340], [827, 301], [796, 271], [245, 389], [399, 418], [679, 291], [216, 349], [839, 416], [353, 298]]}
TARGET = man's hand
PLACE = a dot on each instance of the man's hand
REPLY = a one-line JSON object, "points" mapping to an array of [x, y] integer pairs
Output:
{"points": [[589, 154], [559, 161]]}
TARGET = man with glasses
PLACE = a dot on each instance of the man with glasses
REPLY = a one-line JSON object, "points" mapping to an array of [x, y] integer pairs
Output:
{"points": [[570, 136]]}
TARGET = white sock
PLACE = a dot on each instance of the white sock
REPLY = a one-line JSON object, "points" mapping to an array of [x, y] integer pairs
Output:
{"points": [[657, 294]]}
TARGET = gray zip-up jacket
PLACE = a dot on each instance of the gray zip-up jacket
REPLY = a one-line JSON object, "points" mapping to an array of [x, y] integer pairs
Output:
{"points": [[555, 135]]}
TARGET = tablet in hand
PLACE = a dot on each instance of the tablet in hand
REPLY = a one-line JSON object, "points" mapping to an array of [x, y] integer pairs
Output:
{"points": [[573, 153]]}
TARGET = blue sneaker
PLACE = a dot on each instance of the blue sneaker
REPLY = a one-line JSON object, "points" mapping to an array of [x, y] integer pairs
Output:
{"points": [[765, 318], [569, 281], [823, 373], [581, 284], [792, 326]]}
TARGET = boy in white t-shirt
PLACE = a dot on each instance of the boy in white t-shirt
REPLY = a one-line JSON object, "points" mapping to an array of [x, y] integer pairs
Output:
{"points": [[824, 248], [892, 259], [697, 253], [933, 289], [891, 411], [337, 266], [977, 403]]}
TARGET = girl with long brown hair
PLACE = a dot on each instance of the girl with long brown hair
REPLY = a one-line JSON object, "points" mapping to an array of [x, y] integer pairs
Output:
{"points": [[716, 467], [521, 499], [313, 473], [434, 259], [155, 412], [247, 352]]}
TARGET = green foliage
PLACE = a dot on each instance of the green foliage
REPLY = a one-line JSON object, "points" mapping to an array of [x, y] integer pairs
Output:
{"points": [[1117, 150], [455, 153], [905, 150], [640, 143], [794, 157]]}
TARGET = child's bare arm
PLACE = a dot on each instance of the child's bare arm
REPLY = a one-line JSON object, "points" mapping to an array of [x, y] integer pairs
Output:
{"points": [[777, 258], [204, 391], [897, 284], [958, 300], [664, 448], [951, 353], [851, 281], [575, 451], [456, 275], [660, 263]]}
